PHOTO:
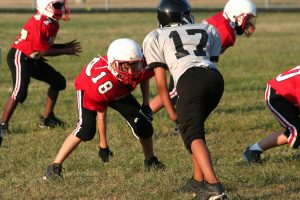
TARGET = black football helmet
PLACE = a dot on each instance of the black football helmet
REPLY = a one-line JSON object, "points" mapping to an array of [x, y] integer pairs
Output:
{"points": [[174, 12]]}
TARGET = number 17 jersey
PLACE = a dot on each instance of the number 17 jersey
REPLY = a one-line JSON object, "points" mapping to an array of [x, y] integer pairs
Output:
{"points": [[179, 48]]}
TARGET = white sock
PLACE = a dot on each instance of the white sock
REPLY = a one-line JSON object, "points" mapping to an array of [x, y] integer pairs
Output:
{"points": [[256, 147]]}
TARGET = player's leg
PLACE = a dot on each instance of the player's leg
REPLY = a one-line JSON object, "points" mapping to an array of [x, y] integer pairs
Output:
{"points": [[275, 139], [46, 73], [288, 116], [20, 67], [195, 103], [84, 131], [141, 128]]}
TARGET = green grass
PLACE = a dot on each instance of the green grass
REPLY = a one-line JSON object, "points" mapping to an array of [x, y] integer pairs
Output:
{"points": [[241, 119]]}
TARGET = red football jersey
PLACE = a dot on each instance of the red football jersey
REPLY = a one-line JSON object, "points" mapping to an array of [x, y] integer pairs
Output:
{"points": [[287, 84], [38, 34], [226, 31], [101, 86]]}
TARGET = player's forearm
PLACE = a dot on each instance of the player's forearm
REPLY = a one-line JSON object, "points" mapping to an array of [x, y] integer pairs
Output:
{"points": [[161, 83], [101, 121], [55, 52]]}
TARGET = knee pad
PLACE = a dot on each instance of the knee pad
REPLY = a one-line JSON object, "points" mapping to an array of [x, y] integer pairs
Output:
{"points": [[143, 128]]}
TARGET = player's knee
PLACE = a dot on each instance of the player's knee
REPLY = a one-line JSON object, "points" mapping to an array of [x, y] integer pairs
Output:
{"points": [[59, 84], [87, 136], [143, 129], [21, 97], [189, 138], [86, 133]]}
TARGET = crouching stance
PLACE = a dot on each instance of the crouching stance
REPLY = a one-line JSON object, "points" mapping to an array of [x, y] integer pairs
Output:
{"points": [[282, 98], [108, 82], [26, 60]]}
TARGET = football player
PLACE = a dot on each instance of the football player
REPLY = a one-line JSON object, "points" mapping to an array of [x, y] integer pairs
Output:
{"points": [[107, 81], [237, 18], [26, 59], [283, 100], [189, 51]]}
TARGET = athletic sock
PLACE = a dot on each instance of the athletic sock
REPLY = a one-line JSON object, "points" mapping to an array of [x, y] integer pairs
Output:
{"points": [[256, 147]]}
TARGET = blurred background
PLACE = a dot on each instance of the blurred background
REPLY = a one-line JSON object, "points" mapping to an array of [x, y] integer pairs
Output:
{"points": [[90, 5]]}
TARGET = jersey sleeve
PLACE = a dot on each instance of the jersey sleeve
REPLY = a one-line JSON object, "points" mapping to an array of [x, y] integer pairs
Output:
{"points": [[215, 42], [152, 51]]}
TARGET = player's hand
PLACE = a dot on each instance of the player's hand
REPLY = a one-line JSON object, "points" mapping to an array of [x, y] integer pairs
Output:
{"points": [[104, 154], [73, 48], [146, 112]]}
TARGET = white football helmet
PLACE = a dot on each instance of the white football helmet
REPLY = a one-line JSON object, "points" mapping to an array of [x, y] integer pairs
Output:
{"points": [[54, 9], [243, 14], [126, 60]]}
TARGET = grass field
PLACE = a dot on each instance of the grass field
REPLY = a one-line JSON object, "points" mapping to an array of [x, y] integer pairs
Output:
{"points": [[241, 119]]}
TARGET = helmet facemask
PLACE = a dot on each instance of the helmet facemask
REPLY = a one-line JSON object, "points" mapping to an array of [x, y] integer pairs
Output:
{"points": [[128, 72], [126, 61], [245, 24]]}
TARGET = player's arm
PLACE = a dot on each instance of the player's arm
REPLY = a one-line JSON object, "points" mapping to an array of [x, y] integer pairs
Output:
{"points": [[161, 83], [104, 152], [69, 48], [101, 122], [145, 109]]}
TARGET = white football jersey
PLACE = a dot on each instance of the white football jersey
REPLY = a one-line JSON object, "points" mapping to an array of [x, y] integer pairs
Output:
{"points": [[179, 48]]}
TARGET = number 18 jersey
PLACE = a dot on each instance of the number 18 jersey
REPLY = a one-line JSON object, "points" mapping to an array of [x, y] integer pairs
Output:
{"points": [[287, 84], [100, 86], [179, 48]]}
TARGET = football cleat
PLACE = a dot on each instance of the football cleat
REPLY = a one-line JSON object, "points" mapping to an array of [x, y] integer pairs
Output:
{"points": [[211, 192], [3, 131], [51, 121], [53, 171], [153, 163], [252, 156], [191, 186]]}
